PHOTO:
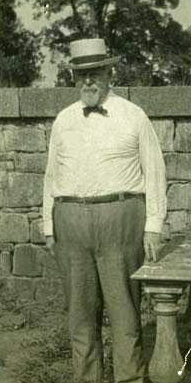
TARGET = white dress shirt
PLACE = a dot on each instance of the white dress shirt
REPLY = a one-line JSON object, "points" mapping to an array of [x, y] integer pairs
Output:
{"points": [[98, 155]]}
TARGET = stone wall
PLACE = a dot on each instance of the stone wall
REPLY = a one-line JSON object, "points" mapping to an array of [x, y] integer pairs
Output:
{"points": [[26, 116]]}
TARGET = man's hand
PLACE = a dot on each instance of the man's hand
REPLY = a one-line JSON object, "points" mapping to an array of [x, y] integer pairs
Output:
{"points": [[50, 244], [151, 245]]}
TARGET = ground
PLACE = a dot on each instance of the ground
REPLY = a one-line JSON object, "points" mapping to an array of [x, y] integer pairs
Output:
{"points": [[35, 346], [15, 344]]}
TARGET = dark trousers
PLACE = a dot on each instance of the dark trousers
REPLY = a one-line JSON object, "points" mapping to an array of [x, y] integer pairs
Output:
{"points": [[99, 246]]}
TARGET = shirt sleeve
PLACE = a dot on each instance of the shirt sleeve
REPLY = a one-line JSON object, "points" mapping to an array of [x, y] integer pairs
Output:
{"points": [[153, 168], [48, 200]]}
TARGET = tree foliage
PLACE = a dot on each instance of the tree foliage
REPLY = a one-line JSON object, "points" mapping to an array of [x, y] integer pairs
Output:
{"points": [[20, 55], [154, 49]]}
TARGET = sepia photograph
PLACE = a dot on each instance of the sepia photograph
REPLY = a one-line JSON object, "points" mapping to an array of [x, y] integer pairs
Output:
{"points": [[95, 191]]}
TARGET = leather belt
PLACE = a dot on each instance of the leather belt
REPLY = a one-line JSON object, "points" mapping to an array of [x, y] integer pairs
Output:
{"points": [[98, 199]]}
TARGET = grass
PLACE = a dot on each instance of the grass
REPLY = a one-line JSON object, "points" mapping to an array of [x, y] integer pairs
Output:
{"points": [[35, 345]]}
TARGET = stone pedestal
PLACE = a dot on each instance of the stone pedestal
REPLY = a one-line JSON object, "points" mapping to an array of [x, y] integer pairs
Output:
{"points": [[166, 360], [165, 281]]}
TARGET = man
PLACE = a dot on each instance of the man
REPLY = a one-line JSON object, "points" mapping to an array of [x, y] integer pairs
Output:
{"points": [[106, 180]]}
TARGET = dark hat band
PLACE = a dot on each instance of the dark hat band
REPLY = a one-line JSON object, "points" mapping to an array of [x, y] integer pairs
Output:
{"points": [[88, 59]]}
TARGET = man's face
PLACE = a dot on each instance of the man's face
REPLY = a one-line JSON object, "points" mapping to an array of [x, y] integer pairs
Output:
{"points": [[93, 84]]}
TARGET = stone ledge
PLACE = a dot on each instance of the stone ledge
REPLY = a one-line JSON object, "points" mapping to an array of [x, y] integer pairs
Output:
{"points": [[35, 102], [48, 102], [166, 101], [9, 102], [163, 101], [122, 91]]}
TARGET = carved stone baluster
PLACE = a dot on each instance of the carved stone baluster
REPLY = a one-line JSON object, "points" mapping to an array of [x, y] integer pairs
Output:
{"points": [[166, 360], [166, 280]]}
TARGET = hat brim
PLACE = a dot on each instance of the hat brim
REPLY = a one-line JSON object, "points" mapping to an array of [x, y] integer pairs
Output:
{"points": [[96, 64]]}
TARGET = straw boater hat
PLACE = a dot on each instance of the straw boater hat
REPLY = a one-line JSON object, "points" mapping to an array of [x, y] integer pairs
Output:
{"points": [[89, 53]]}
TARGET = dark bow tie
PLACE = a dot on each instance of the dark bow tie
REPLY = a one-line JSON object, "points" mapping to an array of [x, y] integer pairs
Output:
{"points": [[97, 109]]}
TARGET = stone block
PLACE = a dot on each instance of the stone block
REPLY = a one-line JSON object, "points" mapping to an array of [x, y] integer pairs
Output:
{"points": [[3, 165], [165, 133], [178, 166], [2, 142], [122, 91], [9, 102], [16, 210], [189, 223], [165, 101], [39, 102], [182, 141], [3, 179], [7, 247], [5, 263], [35, 209], [6, 165], [170, 162], [36, 231], [10, 166], [14, 228], [28, 260], [179, 196], [183, 168], [30, 163], [1, 198], [34, 215], [178, 221], [24, 189], [165, 232], [27, 139], [40, 126], [8, 156]]}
